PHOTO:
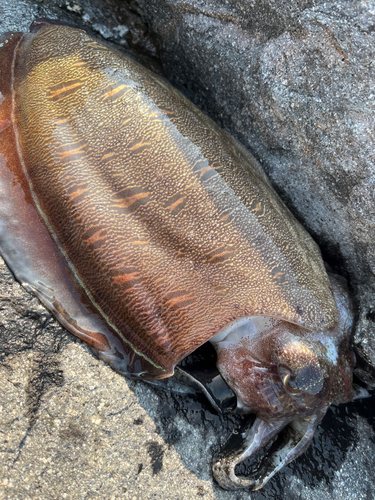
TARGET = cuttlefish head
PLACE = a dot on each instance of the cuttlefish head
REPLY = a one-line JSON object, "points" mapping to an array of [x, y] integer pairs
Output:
{"points": [[288, 377]]}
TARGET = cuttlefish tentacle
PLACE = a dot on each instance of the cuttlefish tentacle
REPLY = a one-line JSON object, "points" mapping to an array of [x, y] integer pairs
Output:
{"points": [[299, 434]]}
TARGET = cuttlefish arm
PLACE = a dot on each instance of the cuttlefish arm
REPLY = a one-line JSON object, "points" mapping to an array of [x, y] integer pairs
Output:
{"points": [[298, 436]]}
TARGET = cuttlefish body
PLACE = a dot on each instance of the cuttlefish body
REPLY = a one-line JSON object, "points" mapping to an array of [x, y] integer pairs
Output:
{"points": [[147, 230]]}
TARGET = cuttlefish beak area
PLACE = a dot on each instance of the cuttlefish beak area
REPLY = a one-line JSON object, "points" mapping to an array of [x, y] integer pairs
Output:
{"points": [[288, 377]]}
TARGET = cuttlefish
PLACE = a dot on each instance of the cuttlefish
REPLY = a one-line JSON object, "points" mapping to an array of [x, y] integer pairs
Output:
{"points": [[147, 230]]}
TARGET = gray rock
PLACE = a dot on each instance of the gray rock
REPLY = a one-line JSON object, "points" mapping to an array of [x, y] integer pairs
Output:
{"points": [[295, 82], [72, 428]]}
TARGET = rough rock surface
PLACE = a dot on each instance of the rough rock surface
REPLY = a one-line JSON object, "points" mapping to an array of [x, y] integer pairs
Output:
{"points": [[295, 82], [69, 426]]}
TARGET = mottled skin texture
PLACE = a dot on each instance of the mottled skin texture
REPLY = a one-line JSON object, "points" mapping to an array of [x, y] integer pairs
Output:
{"points": [[167, 221]]}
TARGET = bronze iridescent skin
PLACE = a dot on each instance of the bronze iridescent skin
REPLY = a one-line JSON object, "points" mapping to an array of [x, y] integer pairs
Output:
{"points": [[147, 230]]}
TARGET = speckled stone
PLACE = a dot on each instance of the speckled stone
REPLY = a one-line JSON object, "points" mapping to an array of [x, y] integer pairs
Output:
{"points": [[91, 438]]}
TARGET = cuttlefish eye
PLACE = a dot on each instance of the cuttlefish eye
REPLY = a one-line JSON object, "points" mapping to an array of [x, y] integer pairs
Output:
{"points": [[299, 369]]}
